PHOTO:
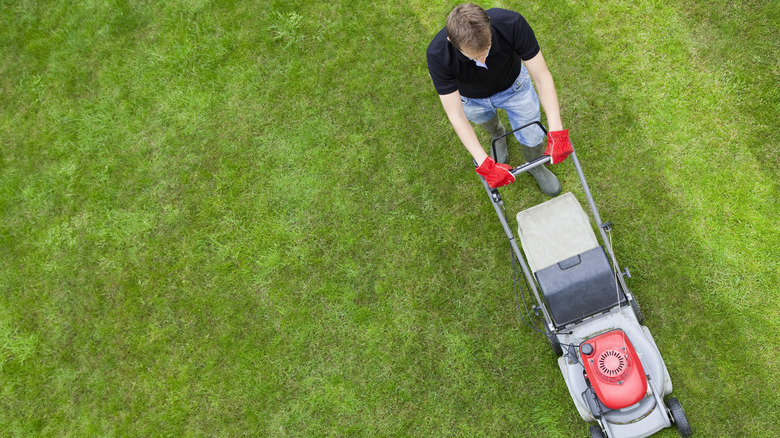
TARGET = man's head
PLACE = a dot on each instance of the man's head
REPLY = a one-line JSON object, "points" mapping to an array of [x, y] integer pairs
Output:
{"points": [[468, 29]]}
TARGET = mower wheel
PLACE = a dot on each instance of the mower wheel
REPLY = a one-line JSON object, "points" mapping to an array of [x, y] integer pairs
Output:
{"points": [[637, 311], [556, 347], [595, 432], [678, 416]]}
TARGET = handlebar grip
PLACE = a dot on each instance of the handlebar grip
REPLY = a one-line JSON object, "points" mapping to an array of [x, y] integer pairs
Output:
{"points": [[541, 161]]}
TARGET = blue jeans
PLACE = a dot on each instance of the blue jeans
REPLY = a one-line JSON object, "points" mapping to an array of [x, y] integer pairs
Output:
{"points": [[521, 104]]}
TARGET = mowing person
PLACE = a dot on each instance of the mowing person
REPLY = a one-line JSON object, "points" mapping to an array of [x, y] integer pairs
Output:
{"points": [[483, 61]]}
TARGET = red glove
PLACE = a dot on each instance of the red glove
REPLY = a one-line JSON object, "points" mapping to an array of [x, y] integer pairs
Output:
{"points": [[558, 145], [496, 175]]}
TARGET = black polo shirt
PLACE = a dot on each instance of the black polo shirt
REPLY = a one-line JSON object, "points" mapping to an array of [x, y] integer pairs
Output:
{"points": [[513, 41]]}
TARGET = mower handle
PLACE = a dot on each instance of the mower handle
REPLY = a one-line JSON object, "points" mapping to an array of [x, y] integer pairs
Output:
{"points": [[541, 161], [527, 166]]}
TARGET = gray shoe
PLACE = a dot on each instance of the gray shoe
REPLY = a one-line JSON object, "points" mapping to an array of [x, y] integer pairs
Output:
{"points": [[496, 129], [546, 180]]}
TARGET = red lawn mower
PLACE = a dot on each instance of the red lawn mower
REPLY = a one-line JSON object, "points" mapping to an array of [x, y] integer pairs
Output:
{"points": [[612, 367]]}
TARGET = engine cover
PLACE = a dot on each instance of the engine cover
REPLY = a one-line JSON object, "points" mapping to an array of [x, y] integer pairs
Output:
{"points": [[613, 369]]}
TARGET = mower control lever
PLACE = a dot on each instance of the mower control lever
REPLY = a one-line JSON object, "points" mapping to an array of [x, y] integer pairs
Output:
{"points": [[527, 166], [539, 124]]}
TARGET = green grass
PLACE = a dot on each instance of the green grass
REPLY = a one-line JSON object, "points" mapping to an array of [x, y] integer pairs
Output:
{"points": [[227, 218]]}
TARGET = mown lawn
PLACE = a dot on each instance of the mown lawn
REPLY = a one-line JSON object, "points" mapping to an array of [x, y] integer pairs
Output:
{"points": [[234, 218]]}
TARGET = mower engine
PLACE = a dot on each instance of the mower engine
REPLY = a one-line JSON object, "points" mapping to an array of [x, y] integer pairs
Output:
{"points": [[613, 369]]}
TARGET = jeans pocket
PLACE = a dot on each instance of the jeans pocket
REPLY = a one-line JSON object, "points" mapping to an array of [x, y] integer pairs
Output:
{"points": [[521, 82], [523, 79]]}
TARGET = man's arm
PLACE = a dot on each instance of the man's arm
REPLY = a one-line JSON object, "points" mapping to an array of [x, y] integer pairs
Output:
{"points": [[454, 109], [558, 144], [545, 88]]}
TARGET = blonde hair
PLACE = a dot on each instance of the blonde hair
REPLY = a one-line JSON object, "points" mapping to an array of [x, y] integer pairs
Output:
{"points": [[468, 26]]}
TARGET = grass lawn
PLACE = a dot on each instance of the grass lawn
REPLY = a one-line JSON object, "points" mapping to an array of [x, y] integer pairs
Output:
{"points": [[234, 218]]}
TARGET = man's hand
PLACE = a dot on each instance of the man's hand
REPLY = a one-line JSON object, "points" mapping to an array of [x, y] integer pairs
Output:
{"points": [[496, 175], [558, 145]]}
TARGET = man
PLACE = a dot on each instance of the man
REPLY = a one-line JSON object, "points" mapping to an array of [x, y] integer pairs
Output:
{"points": [[483, 61]]}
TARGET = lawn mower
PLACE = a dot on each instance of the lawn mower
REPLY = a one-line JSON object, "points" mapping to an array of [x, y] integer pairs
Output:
{"points": [[609, 360]]}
